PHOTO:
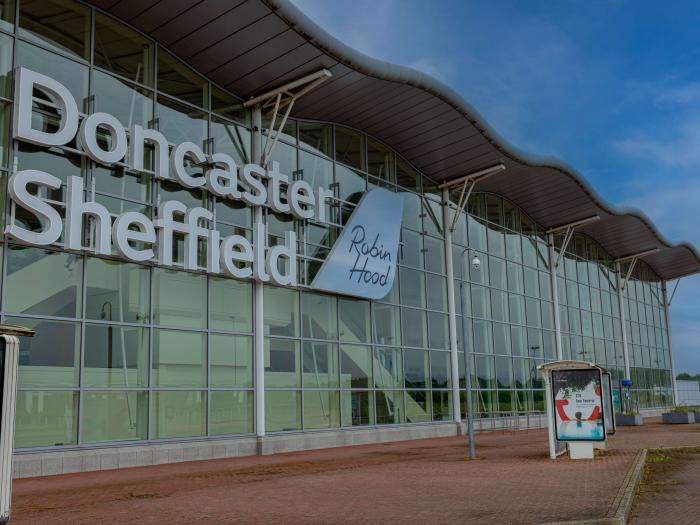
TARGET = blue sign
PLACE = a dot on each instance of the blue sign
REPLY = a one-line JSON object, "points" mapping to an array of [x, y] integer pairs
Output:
{"points": [[362, 263]]}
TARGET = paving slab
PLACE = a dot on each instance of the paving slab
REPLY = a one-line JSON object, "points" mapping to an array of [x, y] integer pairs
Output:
{"points": [[423, 481]]}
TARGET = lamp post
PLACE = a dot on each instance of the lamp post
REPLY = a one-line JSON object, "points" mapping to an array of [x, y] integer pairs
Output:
{"points": [[476, 264]]}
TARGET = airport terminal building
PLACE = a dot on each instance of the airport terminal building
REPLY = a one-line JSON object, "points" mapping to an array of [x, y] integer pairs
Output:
{"points": [[173, 284]]}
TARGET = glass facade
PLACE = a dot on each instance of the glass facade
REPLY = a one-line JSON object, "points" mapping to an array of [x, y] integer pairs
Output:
{"points": [[129, 352]]}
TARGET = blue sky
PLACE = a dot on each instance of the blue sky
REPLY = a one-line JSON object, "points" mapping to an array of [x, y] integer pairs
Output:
{"points": [[612, 88]]}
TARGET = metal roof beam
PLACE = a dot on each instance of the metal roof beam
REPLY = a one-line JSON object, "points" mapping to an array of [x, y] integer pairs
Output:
{"points": [[574, 224], [468, 181], [637, 255], [284, 97], [309, 82], [480, 175]]}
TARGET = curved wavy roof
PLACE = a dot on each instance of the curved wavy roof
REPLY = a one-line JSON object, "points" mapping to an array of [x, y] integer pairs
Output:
{"points": [[251, 46]]}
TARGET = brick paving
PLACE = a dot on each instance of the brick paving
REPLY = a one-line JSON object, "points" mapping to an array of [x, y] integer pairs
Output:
{"points": [[670, 493], [426, 481]]}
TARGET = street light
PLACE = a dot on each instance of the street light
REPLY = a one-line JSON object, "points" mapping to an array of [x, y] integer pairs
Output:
{"points": [[476, 264]]}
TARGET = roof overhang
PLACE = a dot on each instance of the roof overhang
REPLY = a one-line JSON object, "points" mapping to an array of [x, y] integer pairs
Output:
{"points": [[253, 46]]}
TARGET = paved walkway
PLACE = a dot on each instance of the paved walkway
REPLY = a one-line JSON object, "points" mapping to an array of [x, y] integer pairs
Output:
{"points": [[670, 492], [426, 481]]}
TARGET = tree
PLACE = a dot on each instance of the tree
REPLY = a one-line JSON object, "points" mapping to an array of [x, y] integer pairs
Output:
{"points": [[684, 376]]}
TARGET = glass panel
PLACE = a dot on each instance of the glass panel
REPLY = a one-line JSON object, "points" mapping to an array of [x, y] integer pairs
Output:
{"points": [[114, 416], [236, 141], [7, 15], [61, 25], [179, 358], [416, 368], [380, 160], [52, 356], [131, 105], [181, 123], [115, 356], [357, 408], [413, 327], [46, 419], [179, 299], [387, 324], [417, 406], [442, 405], [406, 176], [412, 287], [321, 409], [133, 186], [351, 185], [388, 369], [231, 361], [434, 255], [282, 363], [437, 292], [178, 80], [117, 291], [354, 320], [349, 147], [438, 330], [231, 413], [5, 59], [231, 305], [179, 414], [319, 320], [316, 136], [355, 366], [227, 106], [43, 282], [315, 170], [320, 365], [389, 407], [122, 51], [282, 410], [440, 369], [281, 311]]}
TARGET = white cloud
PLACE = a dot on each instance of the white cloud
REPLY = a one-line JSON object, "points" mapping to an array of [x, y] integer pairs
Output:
{"points": [[681, 150]]}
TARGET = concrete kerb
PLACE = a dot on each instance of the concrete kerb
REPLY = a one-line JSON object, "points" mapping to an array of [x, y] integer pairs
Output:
{"points": [[619, 510]]}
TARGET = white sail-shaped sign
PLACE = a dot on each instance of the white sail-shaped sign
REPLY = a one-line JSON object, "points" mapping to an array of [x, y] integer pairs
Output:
{"points": [[363, 260]]}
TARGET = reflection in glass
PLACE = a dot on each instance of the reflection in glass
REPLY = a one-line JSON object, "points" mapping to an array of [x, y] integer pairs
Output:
{"points": [[282, 410], [115, 356], [114, 416], [231, 361], [62, 25], [355, 366], [231, 412], [231, 307], [117, 291], [179, 299], [178, 80], [43, 282], [52, 357], [179, 359], [130, 104], [46, 419], [321, 409], [179, 414], [122, 50]]}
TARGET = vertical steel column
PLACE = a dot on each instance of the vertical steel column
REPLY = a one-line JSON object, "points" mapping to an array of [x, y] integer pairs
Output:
{"points": [[555, 295], [667, 316], [623, 319], [451, 314], [258, 326]]}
